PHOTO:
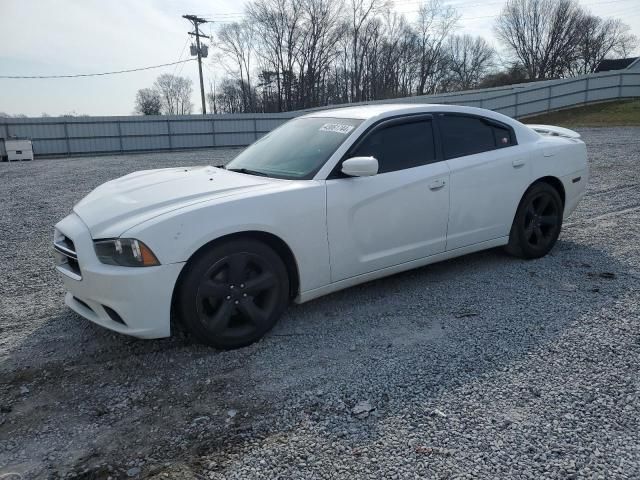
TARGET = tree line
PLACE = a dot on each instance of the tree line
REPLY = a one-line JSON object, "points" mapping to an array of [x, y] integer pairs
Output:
{"points": [[295, 54]]}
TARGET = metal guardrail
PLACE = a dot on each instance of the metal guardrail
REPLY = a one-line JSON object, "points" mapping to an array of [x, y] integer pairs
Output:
{"points": [[61, 136]]}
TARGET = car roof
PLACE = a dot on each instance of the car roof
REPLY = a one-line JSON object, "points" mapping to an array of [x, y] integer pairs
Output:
{"points": [[364, 112], [378, 111]]}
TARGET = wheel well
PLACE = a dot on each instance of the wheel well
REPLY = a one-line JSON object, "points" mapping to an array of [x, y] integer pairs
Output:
{"points": [[555, 183], [273, 241]]}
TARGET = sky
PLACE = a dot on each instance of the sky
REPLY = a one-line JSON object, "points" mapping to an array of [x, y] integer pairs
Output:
{"points": [[61, 37]]}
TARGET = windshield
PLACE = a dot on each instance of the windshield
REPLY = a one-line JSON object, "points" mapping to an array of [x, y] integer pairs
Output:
{"points": [[295, 150]]}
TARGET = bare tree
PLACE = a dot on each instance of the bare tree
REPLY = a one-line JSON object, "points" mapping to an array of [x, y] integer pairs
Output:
{"points": [[270, 26], [391, 67], [434, 24], [292, 54], [175, 93], [211, 98], [278, 25], [235, 41], [362, 23], [599, 39], [229, 97], [542, 34], [627, 43], [320, 32], [148, 102], [470, 59]]}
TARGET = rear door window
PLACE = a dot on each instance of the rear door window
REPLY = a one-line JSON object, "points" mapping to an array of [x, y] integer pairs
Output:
{"points": [[466, 135]]}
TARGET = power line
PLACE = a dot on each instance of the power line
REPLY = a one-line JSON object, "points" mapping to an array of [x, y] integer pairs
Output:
{"points": [[179, 71], [464, 4], [240, 15], [180, 57], [464, 18], [96, 74], [231, 17]]}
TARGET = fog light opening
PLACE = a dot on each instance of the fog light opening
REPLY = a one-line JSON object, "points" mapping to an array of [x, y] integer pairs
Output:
{"points": [[84, 304], [114, 315]]}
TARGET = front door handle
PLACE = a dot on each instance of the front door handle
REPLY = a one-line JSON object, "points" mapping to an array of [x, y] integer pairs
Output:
{"points": [[518, 163], [437, 184]]}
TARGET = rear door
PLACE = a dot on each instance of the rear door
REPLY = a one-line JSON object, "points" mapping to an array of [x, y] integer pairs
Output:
{"points": [[489, 174], [393, 217]]}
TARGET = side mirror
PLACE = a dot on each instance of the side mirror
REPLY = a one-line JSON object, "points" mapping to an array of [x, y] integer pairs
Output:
{"points": [[360, 166]]}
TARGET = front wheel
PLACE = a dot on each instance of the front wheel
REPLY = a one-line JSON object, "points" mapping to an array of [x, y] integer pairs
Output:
{"points": [[537, 223], [233, 294]]}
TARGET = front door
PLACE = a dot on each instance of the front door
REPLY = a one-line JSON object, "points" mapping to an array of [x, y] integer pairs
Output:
{"points": [[393, 217]]}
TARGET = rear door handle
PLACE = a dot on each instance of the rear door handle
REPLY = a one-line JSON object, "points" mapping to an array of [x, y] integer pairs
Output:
{"points": [[518, 163], [437, 184]]}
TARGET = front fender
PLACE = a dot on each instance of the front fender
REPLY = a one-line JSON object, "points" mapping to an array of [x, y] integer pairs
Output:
{"points": [[296, 214]]}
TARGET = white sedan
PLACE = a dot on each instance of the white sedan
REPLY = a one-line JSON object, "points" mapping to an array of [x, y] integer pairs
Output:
{"points": [[326, 201]]}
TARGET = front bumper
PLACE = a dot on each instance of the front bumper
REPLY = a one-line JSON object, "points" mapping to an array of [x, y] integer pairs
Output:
{"points": [[131, 300]]}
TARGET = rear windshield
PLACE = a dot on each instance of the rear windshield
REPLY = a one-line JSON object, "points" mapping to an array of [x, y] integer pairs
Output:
{"points": [[297, 149]]}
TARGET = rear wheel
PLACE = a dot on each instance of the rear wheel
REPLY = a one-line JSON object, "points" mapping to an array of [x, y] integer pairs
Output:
{"points": [[537, 223], [234, 293]]}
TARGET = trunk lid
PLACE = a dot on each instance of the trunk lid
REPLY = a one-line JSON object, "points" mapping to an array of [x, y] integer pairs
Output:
{"points": [[553, 131]]}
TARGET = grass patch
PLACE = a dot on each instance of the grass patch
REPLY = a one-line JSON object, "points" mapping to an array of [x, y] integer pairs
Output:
{"points": [[618, 113]]}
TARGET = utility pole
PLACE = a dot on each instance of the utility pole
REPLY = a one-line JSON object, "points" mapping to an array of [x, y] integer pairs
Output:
{"points": [[199, 52]]}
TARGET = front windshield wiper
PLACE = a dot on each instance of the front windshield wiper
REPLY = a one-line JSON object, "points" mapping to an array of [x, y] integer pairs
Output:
{"points": [[248, 171]]}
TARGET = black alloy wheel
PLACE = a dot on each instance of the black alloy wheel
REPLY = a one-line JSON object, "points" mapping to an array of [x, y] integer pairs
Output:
{"points": [[541, 221], [234, 293], [538, 222]]}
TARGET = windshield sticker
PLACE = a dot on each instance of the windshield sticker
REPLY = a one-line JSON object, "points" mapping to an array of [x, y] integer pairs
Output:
{"points": [[336, 128]]}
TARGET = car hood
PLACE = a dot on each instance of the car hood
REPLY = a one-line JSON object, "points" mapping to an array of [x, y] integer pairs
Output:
{"points": [[115, 206]]}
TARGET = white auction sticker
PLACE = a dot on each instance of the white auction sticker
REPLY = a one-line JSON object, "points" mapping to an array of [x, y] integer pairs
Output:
{"points": [[336, 128]]}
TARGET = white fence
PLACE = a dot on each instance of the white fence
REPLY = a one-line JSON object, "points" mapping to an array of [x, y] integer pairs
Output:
{"points": [[534, 98], [102, 135], [64, 136]]}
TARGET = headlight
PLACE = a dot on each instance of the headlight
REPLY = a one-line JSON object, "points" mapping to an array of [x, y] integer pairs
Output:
{"points": [[126, 252]]}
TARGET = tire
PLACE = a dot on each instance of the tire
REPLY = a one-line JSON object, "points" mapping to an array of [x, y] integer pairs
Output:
{"points": [[537, 223], [232, 294]]}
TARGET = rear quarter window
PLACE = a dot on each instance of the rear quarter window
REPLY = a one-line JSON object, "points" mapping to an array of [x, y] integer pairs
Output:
{"points": [[502, 136]]}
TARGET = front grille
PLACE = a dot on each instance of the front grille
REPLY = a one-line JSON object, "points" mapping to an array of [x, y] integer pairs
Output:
{"points": [[66, 256]]}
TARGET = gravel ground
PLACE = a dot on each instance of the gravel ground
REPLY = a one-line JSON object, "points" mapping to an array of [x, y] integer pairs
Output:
{"points": [[479, 367]]}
